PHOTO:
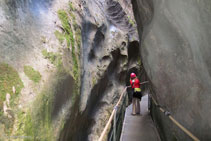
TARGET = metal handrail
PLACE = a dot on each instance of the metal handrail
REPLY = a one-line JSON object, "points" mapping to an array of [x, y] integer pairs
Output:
{"points": [[112, 116], [167, 113]]}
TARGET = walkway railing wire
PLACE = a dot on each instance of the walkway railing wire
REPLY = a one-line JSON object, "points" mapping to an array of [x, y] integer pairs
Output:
{"points": [[115, 119], [168, 114], [119, 110]]}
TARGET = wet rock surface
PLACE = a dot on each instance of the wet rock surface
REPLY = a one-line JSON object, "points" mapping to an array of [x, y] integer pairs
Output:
{"points": [[79, 85], [175, 50], [106, 35], [27, 38]]}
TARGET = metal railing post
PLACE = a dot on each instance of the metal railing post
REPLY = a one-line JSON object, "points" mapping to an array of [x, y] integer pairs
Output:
{"points": [[168, 114], [114, 138], [112, 117]]}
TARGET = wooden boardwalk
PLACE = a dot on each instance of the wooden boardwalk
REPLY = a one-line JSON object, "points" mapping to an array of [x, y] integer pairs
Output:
{"points": [[139, 128]]}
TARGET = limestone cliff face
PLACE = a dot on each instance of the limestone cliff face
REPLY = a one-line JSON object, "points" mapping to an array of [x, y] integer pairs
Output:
{"points": [[38, 67], [107, 36], [176, 50], [68, 61]]}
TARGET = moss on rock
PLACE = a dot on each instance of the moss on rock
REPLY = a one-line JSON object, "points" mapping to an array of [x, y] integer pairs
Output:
{"points": [[54, 58], [36, 123], [32, 74], [68, 33], [71, 6], [72, 34], [59, 36], [40, 120], [8, 78]]}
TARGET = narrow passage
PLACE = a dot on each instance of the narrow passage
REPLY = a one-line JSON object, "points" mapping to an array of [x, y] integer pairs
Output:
{"points": [[139, 128]]}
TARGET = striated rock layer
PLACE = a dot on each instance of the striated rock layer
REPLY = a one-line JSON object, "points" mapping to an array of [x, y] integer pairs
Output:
{"points": [[176, 55], [107, 37]]}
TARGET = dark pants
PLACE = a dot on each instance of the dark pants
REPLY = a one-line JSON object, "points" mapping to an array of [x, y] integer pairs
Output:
{"points": [[137, 95]]}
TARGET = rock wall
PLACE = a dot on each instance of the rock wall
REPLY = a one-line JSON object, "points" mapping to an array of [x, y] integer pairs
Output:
{"points": [[175, 50], [69, 61], [107, 36], [38, 67]]}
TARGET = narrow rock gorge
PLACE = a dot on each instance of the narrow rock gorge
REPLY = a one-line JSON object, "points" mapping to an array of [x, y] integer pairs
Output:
{"points": [[63, 66], [64, 63]]}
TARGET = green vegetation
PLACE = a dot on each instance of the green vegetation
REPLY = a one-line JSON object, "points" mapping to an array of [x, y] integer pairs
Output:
{"points": [[132, 22], [54, 58], [94, 81], [78, 38], [59, 36], [71, 6], [8, 124], [73, 16], [75, 25], [36, 123], [139, 63], [8, 78], [63, 16], [72, 34], [68, 33], [32, 74]]}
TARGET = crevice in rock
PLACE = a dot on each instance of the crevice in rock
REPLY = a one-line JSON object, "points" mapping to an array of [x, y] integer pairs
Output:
{"points": [[98, 42], [133, 51], [118, 17]]}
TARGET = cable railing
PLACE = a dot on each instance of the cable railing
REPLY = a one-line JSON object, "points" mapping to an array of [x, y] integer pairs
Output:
{"points": [[115, 119], [117, 116], [168, 114]]}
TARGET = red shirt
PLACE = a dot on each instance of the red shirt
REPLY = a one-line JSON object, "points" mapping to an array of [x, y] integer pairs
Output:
{"points": [[135, 83]]}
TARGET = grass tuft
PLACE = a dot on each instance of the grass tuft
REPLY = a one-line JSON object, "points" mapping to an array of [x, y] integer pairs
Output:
{"points": [[59, 36], [72, 33], [54, 58], [71, 6], [36, 123], [32, 74], [8, 78], [68, 33]]}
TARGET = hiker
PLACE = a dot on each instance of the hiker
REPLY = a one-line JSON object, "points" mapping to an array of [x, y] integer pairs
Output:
{"points": [[135, 84]]}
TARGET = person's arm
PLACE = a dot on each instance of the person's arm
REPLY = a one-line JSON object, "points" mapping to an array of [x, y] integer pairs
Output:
{"points": [[131, 83], [138, 82]]}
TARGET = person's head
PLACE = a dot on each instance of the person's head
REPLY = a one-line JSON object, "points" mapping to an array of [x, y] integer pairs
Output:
{"points": [[132, 75]]}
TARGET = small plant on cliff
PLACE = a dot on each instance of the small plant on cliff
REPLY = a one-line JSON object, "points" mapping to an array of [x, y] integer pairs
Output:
{"points": [[72, 35], [54, 58], [131, 21], [59, 36], [94, 81], [8, 78], [32, 74], [71, 6], [68, 33], [78, 37], [36, 122], [63, 16]]}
